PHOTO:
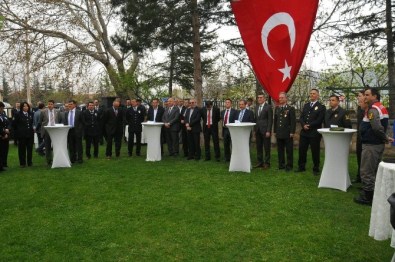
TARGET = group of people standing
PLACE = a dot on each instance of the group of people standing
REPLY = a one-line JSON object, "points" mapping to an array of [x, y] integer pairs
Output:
{"points": [[184, 121]]}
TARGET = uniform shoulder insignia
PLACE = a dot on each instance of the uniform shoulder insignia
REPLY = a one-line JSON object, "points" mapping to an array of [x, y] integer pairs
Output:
{"points": [[370, 116]]}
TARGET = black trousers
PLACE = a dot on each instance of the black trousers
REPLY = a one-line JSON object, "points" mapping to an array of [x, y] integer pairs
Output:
{"points": [[172, 140], [4, 147], [227, 143], [285, 144], [263, 142], [117, 141], [194, 145], [184, 139], [133, 134], [208, 133], [92, 140], [25, 150], [74, 142], [314, 143]]}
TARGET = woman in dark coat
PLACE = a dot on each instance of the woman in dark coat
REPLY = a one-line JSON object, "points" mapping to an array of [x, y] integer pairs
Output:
{"points": [[5, 126], [25, 134]]}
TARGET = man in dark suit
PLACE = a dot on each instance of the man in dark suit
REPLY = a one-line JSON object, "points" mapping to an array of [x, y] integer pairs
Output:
{"points": [[263, 130], [245, 115], [284, 130], [74, 118], [113, 125], [336, 115], [49, 117], [155, 111], [14, 112], [92, 130], [100, 110], [360, 115], [171, 120], [155, 114], [192, 123], [228, 115], [184, 137], [311, 119], [134, 117], [211, 116]]}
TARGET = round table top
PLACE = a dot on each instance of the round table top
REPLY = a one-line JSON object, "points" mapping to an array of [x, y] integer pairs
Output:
{"points": [[241, 124], [346, 130], [58, 126], [149, 123]]}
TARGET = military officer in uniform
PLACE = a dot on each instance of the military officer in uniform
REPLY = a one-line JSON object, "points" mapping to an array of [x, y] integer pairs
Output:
{"points": [[92, 130], [373, 136], [284, 130], [134, 117], [336, 115], [311, 119]]}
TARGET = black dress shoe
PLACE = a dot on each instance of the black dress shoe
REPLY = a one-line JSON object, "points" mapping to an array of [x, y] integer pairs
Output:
{"points": [[22, 166], [258, 165], [316, 173], [30, 164], [300, 170], [207, 159]]}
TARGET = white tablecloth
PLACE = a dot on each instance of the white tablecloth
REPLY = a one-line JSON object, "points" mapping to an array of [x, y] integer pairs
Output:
{"points": [[380, 226], [143, 139], [58, 136], [337, 146], [240, 159], [152, 136]]}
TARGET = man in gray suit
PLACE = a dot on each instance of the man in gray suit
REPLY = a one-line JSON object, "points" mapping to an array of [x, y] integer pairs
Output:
{"points": [[49, 117], [75, 119], [171, 120], [263, 129]]}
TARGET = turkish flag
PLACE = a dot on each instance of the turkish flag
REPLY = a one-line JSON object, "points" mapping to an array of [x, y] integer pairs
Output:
{"points": [[276, 34]]}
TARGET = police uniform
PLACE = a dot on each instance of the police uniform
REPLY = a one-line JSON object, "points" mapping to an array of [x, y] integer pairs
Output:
{"points": [[284, 126], [23, 122], [92, 132], [373, 137], [313, 114], [134, 118], [338, 117]]}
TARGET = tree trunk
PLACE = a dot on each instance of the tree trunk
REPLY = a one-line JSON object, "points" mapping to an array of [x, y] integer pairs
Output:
{"points": [[197, 74], [391, 64], [171, 70]]}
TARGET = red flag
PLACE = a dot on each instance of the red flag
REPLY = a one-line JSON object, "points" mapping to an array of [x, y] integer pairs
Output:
{"points": [[276, 34]]}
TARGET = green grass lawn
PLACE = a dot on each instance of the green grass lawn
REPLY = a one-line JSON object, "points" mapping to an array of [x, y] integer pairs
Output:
{"points": [[127, 209]]}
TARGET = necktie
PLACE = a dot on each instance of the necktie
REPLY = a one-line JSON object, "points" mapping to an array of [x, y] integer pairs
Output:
{"points": [[190, 114], [52, 121], [170, 110], [311, 104], [209, 119], [72, 118], [226, 117], [260, 110], [241, 115], [116, 112]]}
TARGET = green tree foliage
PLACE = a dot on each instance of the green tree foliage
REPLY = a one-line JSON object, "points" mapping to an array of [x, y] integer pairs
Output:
{"points": [[167, 24]]}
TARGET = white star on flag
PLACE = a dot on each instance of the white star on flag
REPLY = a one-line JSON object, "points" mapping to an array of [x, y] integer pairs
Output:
{"points": [[286, 71]]}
